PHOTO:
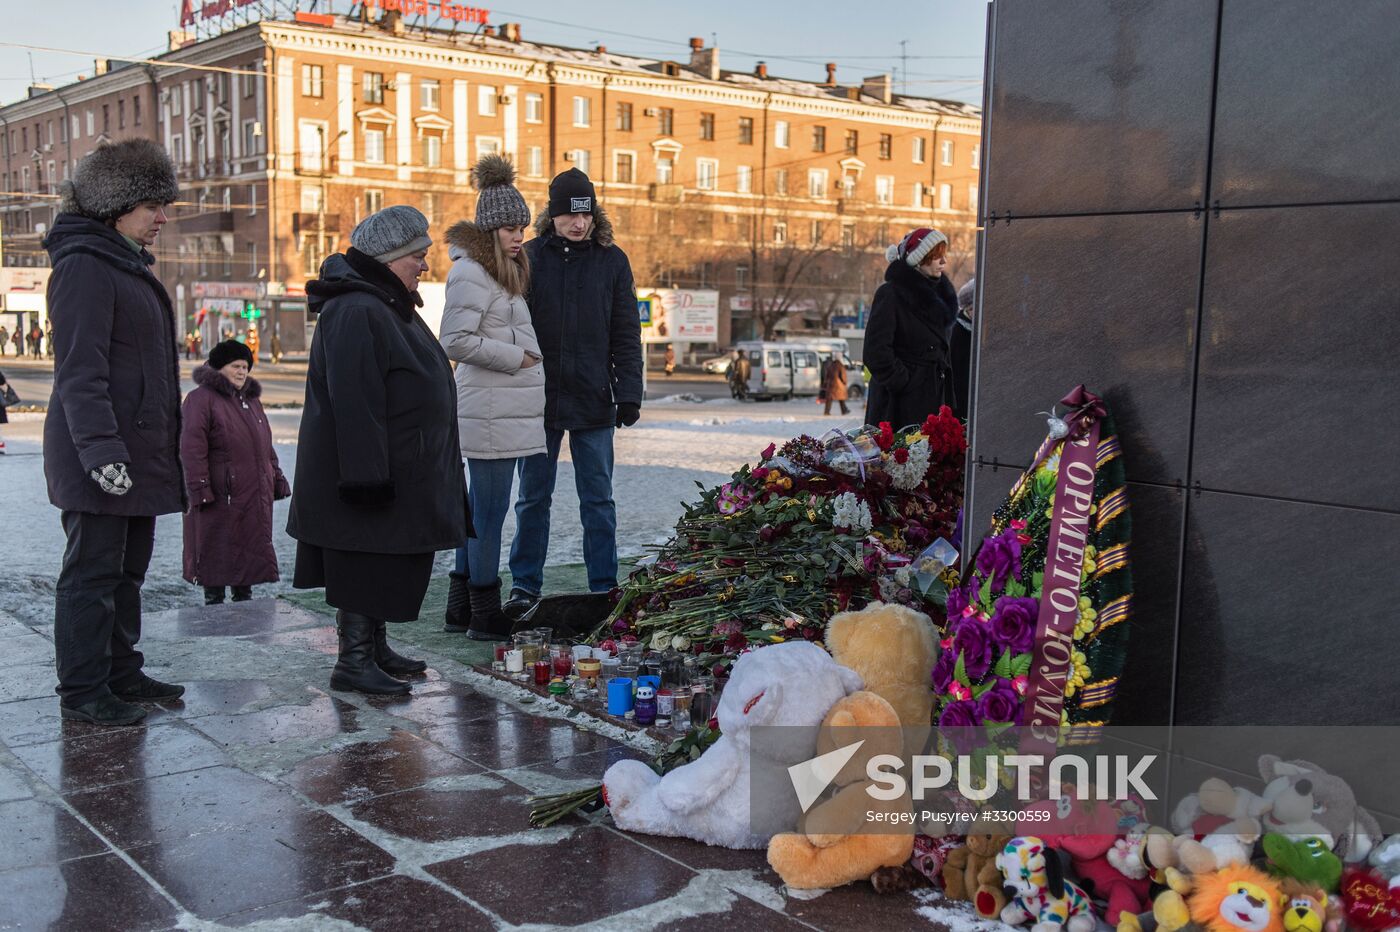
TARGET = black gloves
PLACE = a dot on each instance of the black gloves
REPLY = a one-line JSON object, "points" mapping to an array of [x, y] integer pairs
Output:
{"points": [[627, 413]]}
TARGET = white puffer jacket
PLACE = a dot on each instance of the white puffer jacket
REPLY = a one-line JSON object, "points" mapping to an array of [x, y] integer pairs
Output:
{"points": [[487, 332]]}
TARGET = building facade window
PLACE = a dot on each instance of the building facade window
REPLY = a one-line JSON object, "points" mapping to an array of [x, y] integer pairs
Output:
{"points": [[945, 197], [91, 124], [582, 160], [782, 134], [374, 146], [947, 148], [816, 182], [848, 236], [743, 179], [884, 189], [706, 174], [106, 120], [310, 198], [780, 232], [121, 114], [665, 171], [432, 151], [920, 149], [77, 129], [818, 138], [248, 80], [665, 121], [623, 167], [707, 126], [534, 108], [177, 149], [430, 95], [919, 194], [780, 182], [972, 197], [486, 100], [251, 248], [624, 117], [487, 145], [374, 87], [136, 110], [177, 98], [251, 140], [374, 201], [852, 142], [583, 111], [745, 131], [312, 83], [430, 206], [977, 155], [534, 161], [817, 230], [314, 249], [886, 146]]}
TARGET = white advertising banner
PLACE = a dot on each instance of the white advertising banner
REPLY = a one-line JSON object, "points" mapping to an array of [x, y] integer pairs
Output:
{"points": [[681, 315]]}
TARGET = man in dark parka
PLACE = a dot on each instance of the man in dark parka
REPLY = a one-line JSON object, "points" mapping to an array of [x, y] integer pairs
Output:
{"points": [[112, 435]]}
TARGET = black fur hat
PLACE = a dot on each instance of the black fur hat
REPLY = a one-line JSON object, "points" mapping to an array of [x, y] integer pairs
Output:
{"points": [[113, 179]]}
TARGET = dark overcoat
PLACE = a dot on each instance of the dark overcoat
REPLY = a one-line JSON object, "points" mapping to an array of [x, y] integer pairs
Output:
{"points": [[116, 385], [379, 467], [233, 477], [906, 346]]}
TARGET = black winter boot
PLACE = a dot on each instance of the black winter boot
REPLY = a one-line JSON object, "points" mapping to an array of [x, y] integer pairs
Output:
{"points": [[391, 662], [356, 669], [459, 606], [488, 623]]}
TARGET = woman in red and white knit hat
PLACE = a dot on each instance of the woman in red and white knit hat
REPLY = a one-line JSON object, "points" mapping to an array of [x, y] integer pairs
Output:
{"points": [[907, 335]]}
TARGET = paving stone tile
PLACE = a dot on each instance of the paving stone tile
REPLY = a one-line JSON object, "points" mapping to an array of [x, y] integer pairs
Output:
{"points": [[116, 755], [38, 832], [14, 781], [607, 874], [461, 705], [745, 915], [216, 800], [373, 768], [23, 649], [215, 874], [515, 740], [232, 697], [34, 721], [27, 680], [444, 815], [700, 856], [232, 619], [857, 908], [321, 717], [92, 894], [389, 904]]}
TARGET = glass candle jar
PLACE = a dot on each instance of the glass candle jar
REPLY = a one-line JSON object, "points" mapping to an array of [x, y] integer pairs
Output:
{"points": [[680, 710], [542, 672], [515, 661], [561, 656], [588, 670], [644, 706]]}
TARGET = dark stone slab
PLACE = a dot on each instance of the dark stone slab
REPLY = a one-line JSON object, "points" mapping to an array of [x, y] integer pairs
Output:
{"points": [[35, 721], [700, 856], [607, 873], [232, 619], [584, 769], [1266, 640], [856, 907], [1099, 107], [515, 740], [23, 649], [373, 768], [92, 894], [231, 697], [118, 755], [322, 640], [1333, 137], [459, 703], [38, 832], [443, 815], [1129, 336], [742, 915], [14, 782], [216, 800], [1298, 395], [389, 904], [224, 872], [27, 681], [323, 716]]}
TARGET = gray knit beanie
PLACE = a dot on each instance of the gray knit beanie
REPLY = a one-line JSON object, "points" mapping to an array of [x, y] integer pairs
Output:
{"points": [[967, 294], [392, 233], [499, 204], [112, 180]]}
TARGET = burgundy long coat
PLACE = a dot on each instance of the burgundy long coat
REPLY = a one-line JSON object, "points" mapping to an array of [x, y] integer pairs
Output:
{"points": [[233, 478]]}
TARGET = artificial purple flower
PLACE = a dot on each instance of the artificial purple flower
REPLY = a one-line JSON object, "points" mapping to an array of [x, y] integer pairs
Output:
{"points": [[973, 641], [959, 714], [999, 704], [957, 601], [1013, 623], [943, 672], [621, 625], [1000, 559]]}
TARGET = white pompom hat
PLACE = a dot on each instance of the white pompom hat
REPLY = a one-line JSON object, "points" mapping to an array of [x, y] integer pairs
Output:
{"points": [[915, 247]]}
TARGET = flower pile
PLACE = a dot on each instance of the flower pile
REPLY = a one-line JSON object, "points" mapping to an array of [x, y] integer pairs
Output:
{"points": [[816, 527]]}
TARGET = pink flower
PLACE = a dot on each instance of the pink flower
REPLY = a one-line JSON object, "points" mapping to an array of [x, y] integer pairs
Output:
{"points": [[1021, 684], [1018, 525], [969, 611], [761, 472], [946, 643], [768, 451], [959, 691]]}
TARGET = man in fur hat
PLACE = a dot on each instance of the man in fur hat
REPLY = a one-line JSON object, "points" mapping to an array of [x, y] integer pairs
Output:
{"points": [[112, 435], [584, 310]]}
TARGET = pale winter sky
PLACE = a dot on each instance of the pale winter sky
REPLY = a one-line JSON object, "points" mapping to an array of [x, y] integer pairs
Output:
{"points": [[944, 37]]}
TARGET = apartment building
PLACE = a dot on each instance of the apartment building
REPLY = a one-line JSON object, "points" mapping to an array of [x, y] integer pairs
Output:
{"points": [[779, 193]]}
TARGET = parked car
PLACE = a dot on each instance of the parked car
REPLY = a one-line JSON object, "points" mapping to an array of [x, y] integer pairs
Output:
{"points": [[719, 365]]}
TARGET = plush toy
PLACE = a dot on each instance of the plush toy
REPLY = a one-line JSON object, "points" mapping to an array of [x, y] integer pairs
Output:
{"points": [[971, 873], [1236, 898], [1307, 908], [830, 849], [894, 649], [1212, 852], [791, 684], [1309, 861], [1368, 902], [1385, 857], [1041, 893]]}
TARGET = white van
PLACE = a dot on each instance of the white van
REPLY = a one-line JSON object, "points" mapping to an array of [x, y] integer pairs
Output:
{"points": [[781, 370], [855, 372]]}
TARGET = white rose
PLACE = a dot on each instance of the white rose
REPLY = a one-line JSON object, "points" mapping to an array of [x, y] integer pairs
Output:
{"points": [[680, 642], [661, 640]]}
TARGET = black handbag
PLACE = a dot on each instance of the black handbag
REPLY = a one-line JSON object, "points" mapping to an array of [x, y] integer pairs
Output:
{"points": [[10, 398]]}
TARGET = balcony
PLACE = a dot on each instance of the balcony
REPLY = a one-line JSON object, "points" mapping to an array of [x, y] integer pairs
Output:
{"points": [[307, 223], [210, 221], [667, 193], [849, 205]]}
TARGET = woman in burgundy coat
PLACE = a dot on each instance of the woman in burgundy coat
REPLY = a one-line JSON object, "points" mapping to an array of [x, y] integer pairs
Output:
{"points": [[233, 478]]}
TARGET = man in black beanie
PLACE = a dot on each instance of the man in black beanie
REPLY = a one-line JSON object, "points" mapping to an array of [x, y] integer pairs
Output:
{"points": [[584, 309]]}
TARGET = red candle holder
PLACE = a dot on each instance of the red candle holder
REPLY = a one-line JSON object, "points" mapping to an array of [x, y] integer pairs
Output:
{"points": [[542, 671]]}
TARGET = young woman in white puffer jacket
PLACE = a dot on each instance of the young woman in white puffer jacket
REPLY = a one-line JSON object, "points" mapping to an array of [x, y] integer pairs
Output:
{"points": [[486, 331]]}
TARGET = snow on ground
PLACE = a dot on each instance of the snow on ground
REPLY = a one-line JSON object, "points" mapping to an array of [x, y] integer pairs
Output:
{"points": [[658, 462]]}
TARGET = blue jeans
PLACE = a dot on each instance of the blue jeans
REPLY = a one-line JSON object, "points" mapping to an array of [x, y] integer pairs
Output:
{"points": [[592, 452], [488, 490]]}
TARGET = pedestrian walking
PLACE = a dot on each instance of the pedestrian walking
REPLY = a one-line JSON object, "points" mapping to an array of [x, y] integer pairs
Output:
{"points": [[232, 476], [670, 361], [960, 352], [8, 397], [198, 345], [113, 427], [4, 338], [739, 372], [379, 485], [18, 340], [276, 345], [189, 346], [253, 340], [907, 333], [584, 308], [486, 330], [834, 382], [36, 342]]}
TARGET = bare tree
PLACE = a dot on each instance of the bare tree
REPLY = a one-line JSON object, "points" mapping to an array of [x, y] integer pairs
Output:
{"points": [[784, 272]]}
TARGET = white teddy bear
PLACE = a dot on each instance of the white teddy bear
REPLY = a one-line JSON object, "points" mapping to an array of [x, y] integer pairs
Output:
{"points": [[791, 684]]}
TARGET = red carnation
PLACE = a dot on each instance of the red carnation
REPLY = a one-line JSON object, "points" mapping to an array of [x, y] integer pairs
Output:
{"points": [[768, 451], [886, 438], [901, 455]]}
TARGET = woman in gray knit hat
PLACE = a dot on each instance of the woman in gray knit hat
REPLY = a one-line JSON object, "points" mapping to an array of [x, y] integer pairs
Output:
{"points": [[486, 329], [379, 486]]}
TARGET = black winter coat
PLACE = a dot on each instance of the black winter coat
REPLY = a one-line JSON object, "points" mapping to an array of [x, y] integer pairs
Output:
{"points": [[234, 477], [379, 467], [116, 386], [584, 309], [960, 362], [906, 346]]}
